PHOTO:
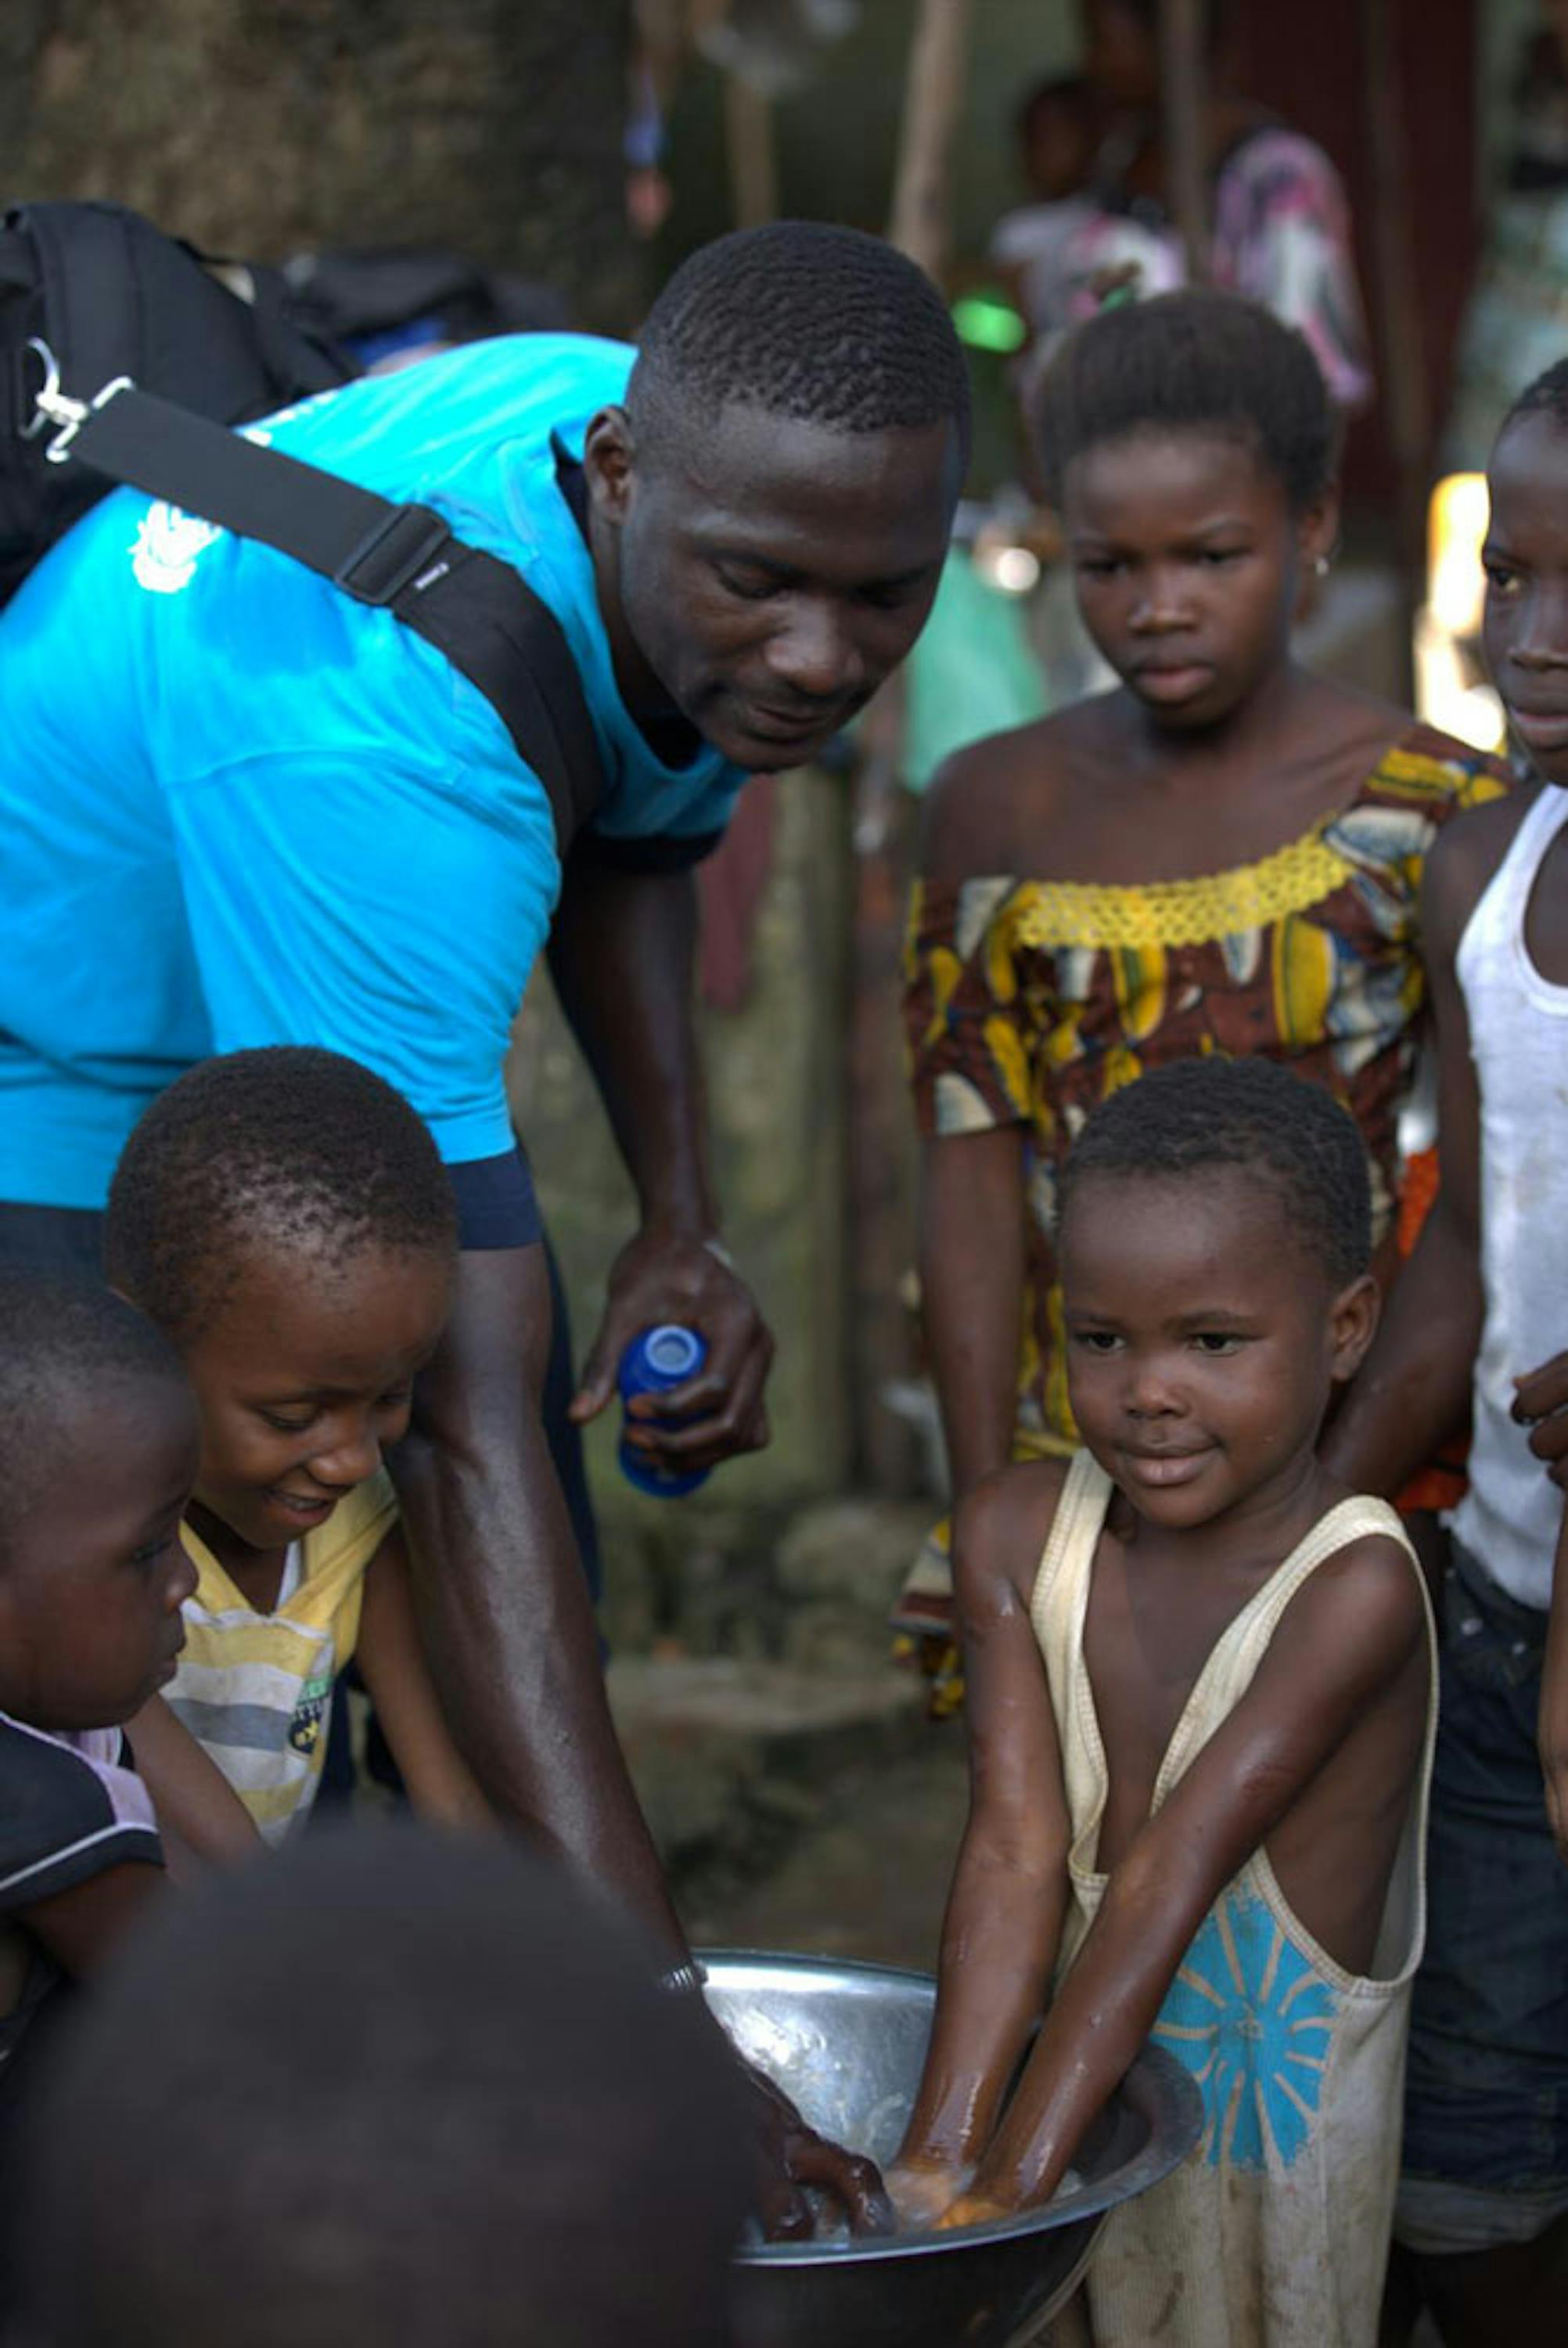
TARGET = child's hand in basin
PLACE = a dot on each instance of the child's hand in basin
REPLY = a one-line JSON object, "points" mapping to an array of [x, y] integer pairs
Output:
{"points": [[972, 2210], [921, 2191]]}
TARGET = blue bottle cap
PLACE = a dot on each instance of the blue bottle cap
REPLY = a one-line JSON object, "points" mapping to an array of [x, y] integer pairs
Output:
{"points": [[671, 1353], [655, 1361], [661, 1358]]}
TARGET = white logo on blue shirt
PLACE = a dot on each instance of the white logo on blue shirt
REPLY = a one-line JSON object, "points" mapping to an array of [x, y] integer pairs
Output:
{"points": [[168, 544]]}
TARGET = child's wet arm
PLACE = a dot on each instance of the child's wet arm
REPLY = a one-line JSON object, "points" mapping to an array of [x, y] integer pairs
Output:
{"points": [[1009, 1895], [1340, 1646], [392, 1664]]}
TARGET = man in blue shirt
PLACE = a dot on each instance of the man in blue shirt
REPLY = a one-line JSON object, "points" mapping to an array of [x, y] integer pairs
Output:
{"points": [[237, 807]]}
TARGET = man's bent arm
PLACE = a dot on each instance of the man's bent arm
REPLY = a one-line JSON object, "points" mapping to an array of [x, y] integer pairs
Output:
{"points": [[503, 1604], [510, 1630], [622, 955]]}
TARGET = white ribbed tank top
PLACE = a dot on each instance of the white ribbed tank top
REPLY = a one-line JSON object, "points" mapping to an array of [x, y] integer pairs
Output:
{"points": [[1519, 1038]]}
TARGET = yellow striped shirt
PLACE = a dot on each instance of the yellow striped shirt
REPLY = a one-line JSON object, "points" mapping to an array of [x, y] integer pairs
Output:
{"points": [[255, 1690]]}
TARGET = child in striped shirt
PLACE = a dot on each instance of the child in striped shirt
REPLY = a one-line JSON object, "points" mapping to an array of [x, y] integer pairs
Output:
{"points": [[283, 1218]]}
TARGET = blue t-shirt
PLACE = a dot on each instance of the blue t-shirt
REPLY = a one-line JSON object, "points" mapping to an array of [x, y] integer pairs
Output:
{"points": [[237, 807]]}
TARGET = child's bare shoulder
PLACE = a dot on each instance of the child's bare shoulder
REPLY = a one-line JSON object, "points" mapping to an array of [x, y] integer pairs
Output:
{"points": [[1000, 1531], [986, 803], [1463, 859], [1364, 1603]]}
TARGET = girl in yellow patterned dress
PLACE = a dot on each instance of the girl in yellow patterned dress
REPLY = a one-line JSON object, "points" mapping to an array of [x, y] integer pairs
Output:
{"points": [[1222, 854]]}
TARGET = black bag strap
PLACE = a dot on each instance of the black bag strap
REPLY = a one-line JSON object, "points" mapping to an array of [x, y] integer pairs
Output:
{"points": [[475, 610], [117, 296]]}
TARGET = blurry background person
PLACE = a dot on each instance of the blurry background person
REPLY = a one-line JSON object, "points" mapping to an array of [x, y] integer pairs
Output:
{"points": [[1280, 225], [1516, 324], [1059, 126], [390, 2091], [1100, 227]]}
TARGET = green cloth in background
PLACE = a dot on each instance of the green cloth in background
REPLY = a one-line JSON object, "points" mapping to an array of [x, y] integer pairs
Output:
{"points": [[972, 672]]}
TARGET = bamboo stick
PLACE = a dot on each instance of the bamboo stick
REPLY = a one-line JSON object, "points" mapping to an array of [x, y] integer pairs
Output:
{"points": [[921, 222], [749, 136], [1397, 312], [1183, 93]]}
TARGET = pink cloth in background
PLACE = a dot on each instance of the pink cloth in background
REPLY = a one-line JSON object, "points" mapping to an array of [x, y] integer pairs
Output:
{"points": [[1281, 236]]}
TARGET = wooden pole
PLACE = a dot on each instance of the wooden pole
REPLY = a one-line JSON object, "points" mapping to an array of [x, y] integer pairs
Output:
{"points": [[754, 153], [1397, 309], [1184, 106], [881, 1146], [921, 224]]}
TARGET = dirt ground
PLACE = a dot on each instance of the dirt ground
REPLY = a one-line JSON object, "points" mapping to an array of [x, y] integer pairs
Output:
{"points": [[866, 1879]]}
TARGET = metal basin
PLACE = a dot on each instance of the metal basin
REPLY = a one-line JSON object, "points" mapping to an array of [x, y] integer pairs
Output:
{"points": [[848, 2042]]}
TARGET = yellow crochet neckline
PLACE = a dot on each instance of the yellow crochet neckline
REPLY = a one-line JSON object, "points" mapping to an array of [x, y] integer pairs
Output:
{"points": [[1179, 912]]}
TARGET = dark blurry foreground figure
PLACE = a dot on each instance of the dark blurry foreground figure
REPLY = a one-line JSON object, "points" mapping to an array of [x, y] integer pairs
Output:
{"points": [[392, 2092]]}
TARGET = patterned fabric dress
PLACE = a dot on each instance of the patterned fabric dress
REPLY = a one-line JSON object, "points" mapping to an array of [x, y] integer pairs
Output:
{"points": [[1028, 1002]]}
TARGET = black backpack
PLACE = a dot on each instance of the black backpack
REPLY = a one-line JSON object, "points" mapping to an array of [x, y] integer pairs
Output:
{"points": [[384, 298], [125, 356]]}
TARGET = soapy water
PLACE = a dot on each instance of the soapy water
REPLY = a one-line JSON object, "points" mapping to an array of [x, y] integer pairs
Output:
{"points": [[830, 2228]]}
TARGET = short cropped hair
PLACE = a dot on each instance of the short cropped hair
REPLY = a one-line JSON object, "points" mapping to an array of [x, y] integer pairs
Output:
{"points": [[287, 1146], [1196, 1114], [1547, 396], [821, 323], [470, 2113], [1198, 360], [65, 1347]]}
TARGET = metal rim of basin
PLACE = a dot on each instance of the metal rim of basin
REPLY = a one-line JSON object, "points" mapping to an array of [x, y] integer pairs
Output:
{"points": [[1164, 2093]]}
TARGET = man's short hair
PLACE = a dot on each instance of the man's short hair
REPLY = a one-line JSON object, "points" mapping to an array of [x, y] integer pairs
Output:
{"points": [[820, 324], [65, 1347], [389, 2089], [290, 1146], [1193, 1116]]}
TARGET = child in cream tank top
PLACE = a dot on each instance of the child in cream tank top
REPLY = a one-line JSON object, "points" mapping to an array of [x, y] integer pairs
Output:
{"points": [[1202, 1721], [1277, 2229]]}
